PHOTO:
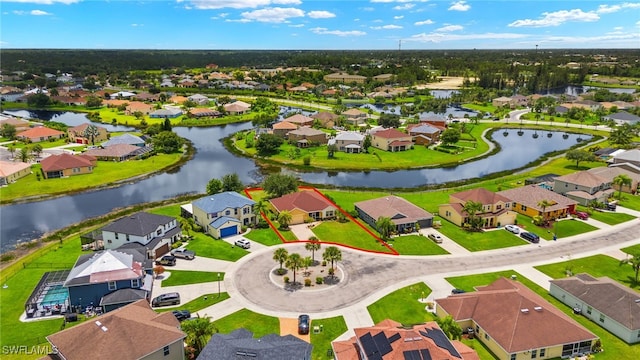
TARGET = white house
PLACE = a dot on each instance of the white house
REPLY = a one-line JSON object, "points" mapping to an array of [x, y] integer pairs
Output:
{"points": [[155, 232]]}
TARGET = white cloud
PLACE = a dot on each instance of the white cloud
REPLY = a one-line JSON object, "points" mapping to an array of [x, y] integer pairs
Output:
{"points": [[397, 1], [237, 20], [618, 28], [44, 2], [608, 9], [398, 17], [404, 7], [238, 4], [557, 18], [638, 23], [273, 15], [368, 8], [137, 25], [441, 37], [325, 31], [423, 22], [18, 12], [320, 14], [450, 28], [39, 13], [460, 6], [387, 27], [296, 25]]}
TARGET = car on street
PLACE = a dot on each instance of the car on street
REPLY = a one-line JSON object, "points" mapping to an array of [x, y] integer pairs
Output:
{"points": [[167, 260], [458, 291], [581, 215], [531, 237], [243, 243], [303, 324], [512, 228], [181, 314], [183, 254], [437, 238]]}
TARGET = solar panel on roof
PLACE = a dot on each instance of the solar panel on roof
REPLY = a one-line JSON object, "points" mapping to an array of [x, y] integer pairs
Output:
{"points": [[426, 355], [382, 343], [368, 344], [411, 355], [442, 341], [394, 337]]}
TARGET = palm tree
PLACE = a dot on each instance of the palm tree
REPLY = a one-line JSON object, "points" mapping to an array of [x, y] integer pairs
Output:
{"points": [[385, 226], [91, 132], [306, 262], [332, 254], [544, 204], [36, 150], [472, 208], [284, 218], [313, 246], [280, 255], [621, 180], [12, 149], [186, 224], [259, 207], [634, 261], [294, 262], [199, 332], [24, 154]]}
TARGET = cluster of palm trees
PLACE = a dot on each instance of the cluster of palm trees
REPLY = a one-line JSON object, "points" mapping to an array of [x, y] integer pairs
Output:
{"points": [[25, 154], [295, 261]]}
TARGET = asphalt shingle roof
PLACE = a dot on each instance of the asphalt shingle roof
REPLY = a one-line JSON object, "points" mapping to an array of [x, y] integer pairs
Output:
{"points": [[139, 224], [219, 202], [240, 344]]}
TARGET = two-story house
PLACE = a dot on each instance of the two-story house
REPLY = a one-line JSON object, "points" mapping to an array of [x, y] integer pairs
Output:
{"points": [[355, 117], [348, 141], [527, 200], [584, 187], [424, 134], [391, 140], [155, 232], [80, 135], [497, 210], [223, 214]]}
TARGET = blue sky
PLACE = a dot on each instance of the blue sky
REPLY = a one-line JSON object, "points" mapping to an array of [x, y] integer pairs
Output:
{"points": [[310, 25]]}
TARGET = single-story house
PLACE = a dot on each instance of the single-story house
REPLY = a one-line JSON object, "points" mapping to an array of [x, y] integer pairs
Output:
{"points": [[354, 116], [604, 301], [583, 187], [19, 124], [623, 117], [155, 232], [39, 133], [306, 136], [304, 206], [78, 135], [199, 99], [406, 216], [515, 323], [300, 120], [348, 141], [11, 171], [138, 106], [129, 139], [501, 101], [526, 200], [118, 152], [241, 344], [63, 165], [391, 140], [169, 113], [390, 340], [237, 107], [282, 128], [122, 95], [345, 78], [223, 214], [497, 210], [326, 119], [133, 332], [204, 112]]}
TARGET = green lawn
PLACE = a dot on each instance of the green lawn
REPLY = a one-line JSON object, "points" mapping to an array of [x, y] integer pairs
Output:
{"points": [[403, 306], [630, 201], [205, 245], [597, 265], [197, 304], [348, 233], [264, 236], [106, 172], [564, 228], [479, 241], [416, 245], [182, 277], [331, 329], [611, 218], [634, 249], [259, 324], [468, 283]]}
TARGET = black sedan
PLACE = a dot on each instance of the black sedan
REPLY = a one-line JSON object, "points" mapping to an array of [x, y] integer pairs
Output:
{"points": [[181, 314], [303, 324]]}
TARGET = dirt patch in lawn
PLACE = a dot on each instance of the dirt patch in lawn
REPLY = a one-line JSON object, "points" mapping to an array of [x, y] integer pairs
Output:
{"points": [[290, 326]]}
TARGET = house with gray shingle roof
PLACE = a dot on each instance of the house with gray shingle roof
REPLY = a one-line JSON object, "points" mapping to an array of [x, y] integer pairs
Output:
{"points": [[166, 113], [583, 187], [305, 136], [623, 117], [240, 344], [406, 216], [348, 141], [629, 156], [155, 232], [604, 301], [223, 214], [424, 134], [124, 139]]}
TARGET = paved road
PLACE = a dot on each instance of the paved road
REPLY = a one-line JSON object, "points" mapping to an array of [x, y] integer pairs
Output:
{"points": [[368, 274]]}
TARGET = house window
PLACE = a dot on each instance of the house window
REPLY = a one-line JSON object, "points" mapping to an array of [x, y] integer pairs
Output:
{"points": [[112, 285], [447, 213], [127, 237], [158, 232], [601, 318], [523, 208], [543, 352], [116, 236], [513, 356], [498, 207], [109, 241], [166, 350], [235, 211], [506, 205], [76, 170], [589, 310], [534, 354], [228, 212], [135, 283], [638, 334], [477, 329]]}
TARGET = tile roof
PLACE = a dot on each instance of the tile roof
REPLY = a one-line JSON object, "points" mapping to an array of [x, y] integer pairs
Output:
{"points": [[614, 300], [610, 173], [354, 112], [118, 150], [325, 115], [139, 224], [40, 131], [299, 119], [531, 195], [66, 161], [389, 340], [132, 332], [224, 200], [390, 134], [285, 125], [82, 127], [124, 139], [307, 131], [583, 178], [399, 210], [241, 343], [103, 266], [349, 136], [515, 317], [305, 200], [10, 167], [480, 195], [424, 129], [630, 155]]}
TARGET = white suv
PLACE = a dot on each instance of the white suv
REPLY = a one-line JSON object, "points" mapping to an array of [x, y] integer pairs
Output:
{"points": [[243, 243]]}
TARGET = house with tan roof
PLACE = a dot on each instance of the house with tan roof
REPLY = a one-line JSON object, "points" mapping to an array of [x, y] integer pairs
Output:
{"points": [[355, 116], [406, 216], [391, 140], [326, 119], [11, 171], [282, 128], [345, 78], [305, 206], [300, 120], [138, 106], [19, 124], [237, 107], [132, 332], [64, 165], [348, 141], [526, 200], [611, 172], [389, 340], [118, 152], [604, 301], [306, 136], [77, 134], [583, 187], [497, 210], [40, 133], [515, 323]]}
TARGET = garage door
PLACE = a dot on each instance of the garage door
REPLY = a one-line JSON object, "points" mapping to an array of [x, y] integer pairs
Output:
{"points": [[161, 251], [228, 231]]}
